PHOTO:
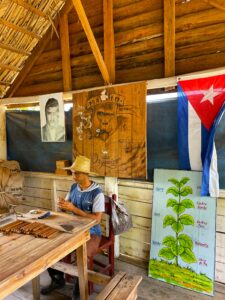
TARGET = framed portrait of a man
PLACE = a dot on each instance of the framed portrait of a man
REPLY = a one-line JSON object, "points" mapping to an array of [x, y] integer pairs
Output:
{"points": [[52, 118]]}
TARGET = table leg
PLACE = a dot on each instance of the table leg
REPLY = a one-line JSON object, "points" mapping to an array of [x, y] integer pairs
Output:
{"points": [[82, 271], [36, 288]]}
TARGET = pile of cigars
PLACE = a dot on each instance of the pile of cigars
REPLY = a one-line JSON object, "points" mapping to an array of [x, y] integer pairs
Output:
{"points": [[36, 229]]}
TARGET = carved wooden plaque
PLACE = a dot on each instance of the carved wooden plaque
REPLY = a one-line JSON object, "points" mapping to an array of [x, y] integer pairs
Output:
{"points": [[109, 127]]}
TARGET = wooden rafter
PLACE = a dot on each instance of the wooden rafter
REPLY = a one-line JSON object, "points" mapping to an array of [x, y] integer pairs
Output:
{"points": [[169, 38], [11, 68], [13, 49], [5, 83], [31, 8], [67, 8], [91, 39], [19, 29], [36, 52], [109, 42], [65, 51], [217, 3]]}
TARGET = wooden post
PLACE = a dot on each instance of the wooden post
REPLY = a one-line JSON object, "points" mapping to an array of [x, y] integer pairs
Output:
{"points": [[109, 42], [111, 187], [54, 198], [36, 288], [65, 51], [3, 145], [169, 37], [82, 271]]}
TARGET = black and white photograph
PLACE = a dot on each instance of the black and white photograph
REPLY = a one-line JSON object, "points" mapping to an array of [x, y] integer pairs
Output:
{"points": [[52, 118]]}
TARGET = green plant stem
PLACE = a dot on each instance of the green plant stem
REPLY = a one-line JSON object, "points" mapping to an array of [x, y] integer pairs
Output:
{"points": [[178, 216]]}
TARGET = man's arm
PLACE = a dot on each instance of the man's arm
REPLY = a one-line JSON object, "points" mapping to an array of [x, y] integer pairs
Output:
{"points": [[66, 205]]}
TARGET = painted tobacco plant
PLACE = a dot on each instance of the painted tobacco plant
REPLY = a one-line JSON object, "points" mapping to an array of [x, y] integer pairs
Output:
{"points": [[179, 244]]}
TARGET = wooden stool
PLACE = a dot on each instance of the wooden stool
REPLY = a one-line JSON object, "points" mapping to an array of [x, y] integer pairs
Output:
{"points": [[122, 287]]}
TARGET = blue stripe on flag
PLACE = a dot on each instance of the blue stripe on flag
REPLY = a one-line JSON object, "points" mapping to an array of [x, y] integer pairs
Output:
{"points": [[208, 156], [205, 133], [182, 114]]}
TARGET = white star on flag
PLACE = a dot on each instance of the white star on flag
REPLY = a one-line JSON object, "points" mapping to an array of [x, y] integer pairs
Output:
{"points": [[209, 95]]}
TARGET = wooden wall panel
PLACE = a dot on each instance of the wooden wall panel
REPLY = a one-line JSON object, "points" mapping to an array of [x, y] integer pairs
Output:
{"points": [[109, 127], [138, 27], [137, 196], [38, 192]]}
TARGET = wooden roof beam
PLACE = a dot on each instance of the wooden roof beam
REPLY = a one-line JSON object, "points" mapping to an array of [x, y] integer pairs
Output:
{"points": [[19, 29], [36, 52], [8, 67], [31, 8], [67, 8], [109, 41], [65, 51], [217, 3], [169, 38], [91, 39], [5, 83], [13, 49]]}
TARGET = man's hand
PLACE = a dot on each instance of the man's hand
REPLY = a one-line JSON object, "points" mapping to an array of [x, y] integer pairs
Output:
{"points": [[66, 205]]}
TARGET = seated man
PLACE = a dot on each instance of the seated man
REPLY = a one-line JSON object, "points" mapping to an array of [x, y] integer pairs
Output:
{"points": [[85, 199]]}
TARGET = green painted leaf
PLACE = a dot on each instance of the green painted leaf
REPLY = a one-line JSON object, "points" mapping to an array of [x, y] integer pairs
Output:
{"points": [[188, 256], [185, 241], [187, 220], [177, 227], [184, 180], [174, 181], [171, 202], [168, 220], [177, 250], [172, 190], [188, 203], [166, 253], [186, 191], [169, 241], [178, 209]]}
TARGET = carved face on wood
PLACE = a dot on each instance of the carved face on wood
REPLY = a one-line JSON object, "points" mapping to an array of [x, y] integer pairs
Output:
{"points": [[110, 129], [105, 120]]}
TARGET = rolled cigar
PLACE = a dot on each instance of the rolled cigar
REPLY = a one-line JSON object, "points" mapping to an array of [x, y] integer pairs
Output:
{"points": [[11, 225], [38, 227], [25, 227], [32, 228], [49, 232], [41, 232], [17, 228], [28, 228], [43, 227], [54, 234]]}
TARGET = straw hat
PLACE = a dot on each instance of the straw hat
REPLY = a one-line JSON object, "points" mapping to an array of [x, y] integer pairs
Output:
{"points": [[81, 164]]}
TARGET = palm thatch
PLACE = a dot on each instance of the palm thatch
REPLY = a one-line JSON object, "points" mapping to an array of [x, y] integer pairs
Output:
{"points": [[22, 25]]}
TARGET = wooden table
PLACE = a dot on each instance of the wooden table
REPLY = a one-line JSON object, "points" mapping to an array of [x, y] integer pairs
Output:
{"points": [[24, 257]]}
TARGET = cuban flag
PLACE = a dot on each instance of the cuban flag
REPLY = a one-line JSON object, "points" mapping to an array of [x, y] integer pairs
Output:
{"points": [[200, 108]]}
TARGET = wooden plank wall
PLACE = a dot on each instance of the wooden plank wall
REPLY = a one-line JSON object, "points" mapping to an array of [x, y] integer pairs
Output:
{"points": [[139, 46], [41, 190]]}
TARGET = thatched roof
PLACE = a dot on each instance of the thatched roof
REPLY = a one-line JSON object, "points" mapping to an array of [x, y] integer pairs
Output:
{"points": [[105, 41], [22, 25]]}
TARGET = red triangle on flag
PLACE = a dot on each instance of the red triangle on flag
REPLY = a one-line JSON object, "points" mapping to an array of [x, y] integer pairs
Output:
{"points": [[206, 95]]}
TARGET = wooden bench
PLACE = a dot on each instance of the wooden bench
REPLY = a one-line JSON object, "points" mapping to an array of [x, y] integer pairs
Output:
{"points": [[122, 287]]}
